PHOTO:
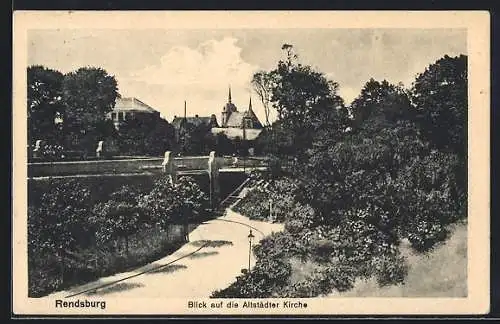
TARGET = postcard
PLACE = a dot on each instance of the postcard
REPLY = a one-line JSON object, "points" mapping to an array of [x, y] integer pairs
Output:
{"points": [[251, 163]]}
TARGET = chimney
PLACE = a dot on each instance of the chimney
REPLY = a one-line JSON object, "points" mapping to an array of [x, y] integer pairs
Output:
{"points": [[185, 109]]}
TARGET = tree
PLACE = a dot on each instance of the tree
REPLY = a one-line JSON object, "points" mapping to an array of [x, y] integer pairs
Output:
{"points": [[178, 203], [189, 204], [440, 100], [119, 217], [160, 139], [223, 145], [158, 203], [146, 135], [381, 102], [89, 94], [44, 102], [196, 139], [306, 101], [263, 83], [58, 225], [439, 96]]}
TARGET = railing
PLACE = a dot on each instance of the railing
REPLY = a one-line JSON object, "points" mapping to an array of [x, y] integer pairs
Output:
{"points": [[125, 165]]}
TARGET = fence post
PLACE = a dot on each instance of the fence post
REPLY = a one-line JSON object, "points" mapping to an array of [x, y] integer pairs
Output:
{"points": [[100, 149], [38, 147], [169, 167]]}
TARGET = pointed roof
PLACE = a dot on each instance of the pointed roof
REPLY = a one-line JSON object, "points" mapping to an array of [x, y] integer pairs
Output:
{"points": [[132, 104], [229, 106]]}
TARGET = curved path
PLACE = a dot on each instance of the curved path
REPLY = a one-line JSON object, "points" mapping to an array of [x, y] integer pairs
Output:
{"points": [[215, 255]]}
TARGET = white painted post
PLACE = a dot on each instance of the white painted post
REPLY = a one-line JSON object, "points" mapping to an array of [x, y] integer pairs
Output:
{"points": [[169, 167], [38, 148], [99, 151]]}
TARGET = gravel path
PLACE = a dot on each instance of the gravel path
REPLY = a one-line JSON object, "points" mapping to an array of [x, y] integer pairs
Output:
{"points": [[217, 251]]}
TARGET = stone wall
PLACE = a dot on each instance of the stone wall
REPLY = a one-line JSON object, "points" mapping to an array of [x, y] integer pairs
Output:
{"points": [[46, 169]]}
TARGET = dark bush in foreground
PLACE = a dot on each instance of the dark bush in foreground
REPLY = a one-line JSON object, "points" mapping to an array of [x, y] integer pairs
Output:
{"points": [[74, 238]]}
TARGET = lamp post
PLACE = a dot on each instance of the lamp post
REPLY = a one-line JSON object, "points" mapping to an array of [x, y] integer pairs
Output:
{"points": [[271, 210], [250, 237]]}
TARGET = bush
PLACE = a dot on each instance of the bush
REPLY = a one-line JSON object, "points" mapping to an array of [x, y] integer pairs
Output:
{"points": [[57, 226], [180, 203], [73, 231], [276, 193], [117, 218]]}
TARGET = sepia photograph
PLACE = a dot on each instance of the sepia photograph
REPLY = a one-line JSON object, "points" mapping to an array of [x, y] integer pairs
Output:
{"points": [[216, 163]]}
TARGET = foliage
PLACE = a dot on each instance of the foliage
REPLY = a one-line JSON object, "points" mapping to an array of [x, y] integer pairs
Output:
{"points": [[262, 83], [119, 217], [381, 102], [44, 102], [59, 222], [50, 152], [277, 194], [397, 173], [74, 227], [270, 273], [145, 135], [306, 102], [223, 145], [168, 203], [197, 139], [88, 95], [439, 96]]}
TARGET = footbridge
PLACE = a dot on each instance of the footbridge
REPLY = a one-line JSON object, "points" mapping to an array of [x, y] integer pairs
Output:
{"points": [[212, 166]]}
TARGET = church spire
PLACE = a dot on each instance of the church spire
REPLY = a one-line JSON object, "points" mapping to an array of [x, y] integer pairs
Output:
{"points": [[229, 97], [250, 104]]}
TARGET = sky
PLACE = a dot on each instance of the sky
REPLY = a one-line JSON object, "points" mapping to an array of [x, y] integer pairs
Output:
{"points": [[165, 67]]}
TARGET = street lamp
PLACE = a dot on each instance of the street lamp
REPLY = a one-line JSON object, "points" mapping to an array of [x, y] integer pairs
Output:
{"points": [[250, 237]]}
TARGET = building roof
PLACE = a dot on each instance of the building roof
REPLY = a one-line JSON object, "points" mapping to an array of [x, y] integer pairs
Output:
{"points": [[235, 119], [196, 121], [132, 104]]}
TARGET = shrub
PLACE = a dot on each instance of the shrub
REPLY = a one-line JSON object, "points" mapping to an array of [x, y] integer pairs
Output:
{"points": [[60, 220], [180, 203], [119, 217], [57, 226]]}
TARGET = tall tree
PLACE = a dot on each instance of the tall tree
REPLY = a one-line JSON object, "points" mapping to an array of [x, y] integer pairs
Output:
{"points": [[44, 102], [306, 102], [303, 97], [262, 82], [89, 94], [381, 102], [440, 99], [439, 95]]}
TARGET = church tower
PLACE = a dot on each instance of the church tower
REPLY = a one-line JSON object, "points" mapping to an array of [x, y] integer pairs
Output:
{"points": [[247, 116], [228, 108]]}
